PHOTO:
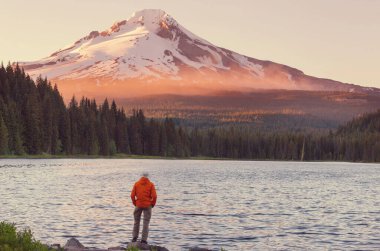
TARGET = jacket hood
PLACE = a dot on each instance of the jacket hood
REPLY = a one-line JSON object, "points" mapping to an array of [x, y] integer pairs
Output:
{"points": [[144, 180]]}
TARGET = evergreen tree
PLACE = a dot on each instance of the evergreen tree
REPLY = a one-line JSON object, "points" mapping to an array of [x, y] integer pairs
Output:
{"points": [[3, 137]]}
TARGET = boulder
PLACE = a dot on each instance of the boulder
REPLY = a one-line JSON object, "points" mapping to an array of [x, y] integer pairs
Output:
{"points": [[143, 246], [116, 249], [199, 249], [73, 245]]}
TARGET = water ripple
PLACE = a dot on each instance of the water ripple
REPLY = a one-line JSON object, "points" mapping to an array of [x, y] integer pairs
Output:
{"points": [[231, 204]]}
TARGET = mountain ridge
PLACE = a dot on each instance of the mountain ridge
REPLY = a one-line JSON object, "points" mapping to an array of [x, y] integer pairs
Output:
{"points": [[151, 53]]}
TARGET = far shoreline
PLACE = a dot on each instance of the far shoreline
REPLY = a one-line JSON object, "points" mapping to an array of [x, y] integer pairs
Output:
{"points": [[116, 156], [131, 156]]}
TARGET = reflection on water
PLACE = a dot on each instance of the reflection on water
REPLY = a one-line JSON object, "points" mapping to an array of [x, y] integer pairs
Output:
{"points": [[235, 205]]}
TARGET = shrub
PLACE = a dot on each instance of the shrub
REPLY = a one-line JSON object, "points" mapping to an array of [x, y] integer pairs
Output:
{"points": [[13, 240]]}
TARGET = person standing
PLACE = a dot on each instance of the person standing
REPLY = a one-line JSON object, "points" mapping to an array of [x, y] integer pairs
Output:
{"points": [[144, 198]]}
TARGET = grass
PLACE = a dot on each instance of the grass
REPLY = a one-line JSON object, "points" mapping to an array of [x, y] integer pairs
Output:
{"points": [[13, 240], [132, 249]]}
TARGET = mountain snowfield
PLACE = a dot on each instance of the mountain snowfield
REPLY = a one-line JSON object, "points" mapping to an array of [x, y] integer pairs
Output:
{"points": [[151, 53]]}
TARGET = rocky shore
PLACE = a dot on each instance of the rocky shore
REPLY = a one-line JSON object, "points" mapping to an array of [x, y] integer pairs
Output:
{"points": [[74, 245]]}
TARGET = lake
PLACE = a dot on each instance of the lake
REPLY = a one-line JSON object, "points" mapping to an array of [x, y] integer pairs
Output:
{"points": [[235, 205]]}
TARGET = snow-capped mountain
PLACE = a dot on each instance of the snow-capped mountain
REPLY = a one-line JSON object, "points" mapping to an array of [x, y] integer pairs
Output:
{"points": [[151, 53]]}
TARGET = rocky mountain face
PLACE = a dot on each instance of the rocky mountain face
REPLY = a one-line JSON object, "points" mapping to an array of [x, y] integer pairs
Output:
{"points": [[151, 53]]}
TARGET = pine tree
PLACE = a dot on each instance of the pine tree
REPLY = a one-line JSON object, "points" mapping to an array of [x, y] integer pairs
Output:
{"points": [[32, 114], [3, 137], [163, 141], [74, 126]]}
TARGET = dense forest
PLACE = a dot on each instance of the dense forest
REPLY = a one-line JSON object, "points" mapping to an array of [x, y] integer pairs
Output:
{"points": [[35, 120]]}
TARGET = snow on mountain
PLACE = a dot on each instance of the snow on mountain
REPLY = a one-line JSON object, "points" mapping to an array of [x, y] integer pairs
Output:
{"points": [[145, 45], [152, 53]]}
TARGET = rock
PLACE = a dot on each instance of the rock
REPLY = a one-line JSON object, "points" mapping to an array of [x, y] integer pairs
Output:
{"points": [[73, 245], [199, 249], [116, 249], [158, 248], [143, 246], [138, 245]]}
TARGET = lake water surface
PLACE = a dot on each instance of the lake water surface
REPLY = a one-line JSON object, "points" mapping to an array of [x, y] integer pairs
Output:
{"points": [[237, 205]]}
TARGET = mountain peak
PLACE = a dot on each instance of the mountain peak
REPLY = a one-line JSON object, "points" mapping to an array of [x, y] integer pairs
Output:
{"points": [[149, 13], [148, 20], [152, 19]]}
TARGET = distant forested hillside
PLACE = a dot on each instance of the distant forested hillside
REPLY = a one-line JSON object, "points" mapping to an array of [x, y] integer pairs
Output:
{"points": [[367, 124], [35, 120], [265, 110]]}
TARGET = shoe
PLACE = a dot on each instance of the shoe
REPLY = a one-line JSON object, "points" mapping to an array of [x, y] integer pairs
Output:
{"points": [[144, 242], [134, 239]]}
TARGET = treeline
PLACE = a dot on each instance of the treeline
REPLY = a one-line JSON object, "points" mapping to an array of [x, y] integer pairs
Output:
{"points": [[243, 144], [34, 120], [368, 123]]}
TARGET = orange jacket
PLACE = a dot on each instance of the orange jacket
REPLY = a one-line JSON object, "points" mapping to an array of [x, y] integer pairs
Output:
{"points": [[144, 194]]}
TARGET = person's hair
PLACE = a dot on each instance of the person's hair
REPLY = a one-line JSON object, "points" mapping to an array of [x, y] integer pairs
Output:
{"points": [[145, 174]]}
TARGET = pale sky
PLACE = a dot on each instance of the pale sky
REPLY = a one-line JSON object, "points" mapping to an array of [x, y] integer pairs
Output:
{"points": [[337, 39]]}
